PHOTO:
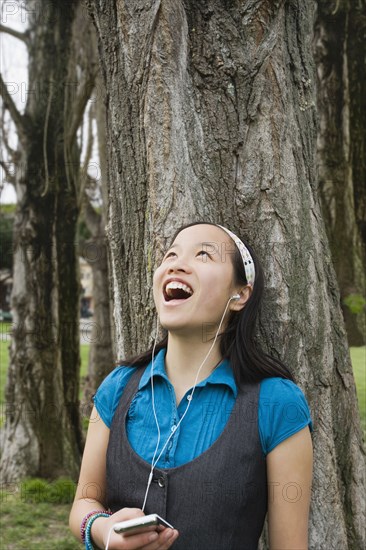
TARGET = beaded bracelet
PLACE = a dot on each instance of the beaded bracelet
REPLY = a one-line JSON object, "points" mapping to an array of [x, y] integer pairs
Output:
{"points": [[90, 521], [85, 519]]}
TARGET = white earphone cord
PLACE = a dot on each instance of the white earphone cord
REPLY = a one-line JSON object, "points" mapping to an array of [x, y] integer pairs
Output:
{"points": [[154, 462], [109, 537]]}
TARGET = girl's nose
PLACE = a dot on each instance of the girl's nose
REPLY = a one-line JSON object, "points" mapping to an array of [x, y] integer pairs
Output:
{"points": [[179, 264]]}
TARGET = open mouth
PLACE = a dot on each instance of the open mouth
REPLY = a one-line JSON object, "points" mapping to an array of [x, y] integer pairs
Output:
{"points": [[176, 291]]}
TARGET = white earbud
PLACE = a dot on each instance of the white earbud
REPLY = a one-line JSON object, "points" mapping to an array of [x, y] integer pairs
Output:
{"points": [[235, 297]]}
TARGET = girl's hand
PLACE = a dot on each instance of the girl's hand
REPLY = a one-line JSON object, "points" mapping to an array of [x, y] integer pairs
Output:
{"points": [[148, 539]]}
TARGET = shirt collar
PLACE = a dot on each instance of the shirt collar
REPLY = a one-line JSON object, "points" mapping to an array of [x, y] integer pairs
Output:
{"points": [[222, 374]]}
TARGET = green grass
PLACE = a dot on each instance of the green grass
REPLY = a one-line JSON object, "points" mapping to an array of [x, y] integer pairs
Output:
{"points": [[7, 208], [358, 356], [4, 361], [84, 355], [30, 522]]}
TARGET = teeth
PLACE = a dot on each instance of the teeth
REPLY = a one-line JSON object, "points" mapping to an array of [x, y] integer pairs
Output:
{"points": [[176, 284]]}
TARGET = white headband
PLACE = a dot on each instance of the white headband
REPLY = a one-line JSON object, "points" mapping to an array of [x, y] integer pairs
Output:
{"points": [[245, 254]]}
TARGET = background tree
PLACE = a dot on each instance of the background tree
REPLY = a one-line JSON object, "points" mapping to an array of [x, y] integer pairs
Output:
{"points": [[93, 189], [341, 73], [101, 356], [211, 114], [42, 434]]}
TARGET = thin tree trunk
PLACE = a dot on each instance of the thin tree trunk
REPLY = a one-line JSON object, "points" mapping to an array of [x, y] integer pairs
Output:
{"points": [[68, 278], [211, 115], [42, 434], [340, 153], [101, 356]]}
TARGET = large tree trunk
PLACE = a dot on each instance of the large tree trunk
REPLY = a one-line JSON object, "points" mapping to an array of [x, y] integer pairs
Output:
{"points": [[42, 434], [211, 114], [341, 155]]}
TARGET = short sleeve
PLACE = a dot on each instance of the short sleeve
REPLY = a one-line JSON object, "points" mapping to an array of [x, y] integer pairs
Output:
{"points": [[282, 411], [108, 394]]}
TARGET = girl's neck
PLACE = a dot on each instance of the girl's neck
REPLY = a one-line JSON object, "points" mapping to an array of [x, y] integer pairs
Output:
{"points": [[183, 359]]}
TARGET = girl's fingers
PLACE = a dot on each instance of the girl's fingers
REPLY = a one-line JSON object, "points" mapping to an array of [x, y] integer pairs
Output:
{"points": [[132, 542], [147, 541], [164, 541], [170, 535]]}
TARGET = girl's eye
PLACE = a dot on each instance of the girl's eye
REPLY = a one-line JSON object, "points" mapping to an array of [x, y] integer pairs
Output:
{"points": [[204, 251]]}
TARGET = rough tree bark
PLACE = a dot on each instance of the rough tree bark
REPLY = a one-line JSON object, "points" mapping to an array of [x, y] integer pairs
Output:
{"points": [[211, 114], [42, 433], [341, 146]]}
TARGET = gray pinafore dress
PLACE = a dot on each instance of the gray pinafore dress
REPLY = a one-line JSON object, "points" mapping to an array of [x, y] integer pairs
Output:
{"points": [[218, 501]]}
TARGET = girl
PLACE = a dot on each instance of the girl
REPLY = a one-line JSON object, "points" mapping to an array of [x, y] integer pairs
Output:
{"points": [[203, 429]]}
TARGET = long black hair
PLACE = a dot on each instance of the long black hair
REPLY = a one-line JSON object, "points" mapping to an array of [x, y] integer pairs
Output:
{"points": [[248, 362]]}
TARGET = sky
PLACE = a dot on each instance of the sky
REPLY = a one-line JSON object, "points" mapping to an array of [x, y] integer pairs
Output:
{"points": [[13, 67]]}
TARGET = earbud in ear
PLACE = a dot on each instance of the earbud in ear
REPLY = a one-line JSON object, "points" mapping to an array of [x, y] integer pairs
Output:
{"points": [[235, 297]]}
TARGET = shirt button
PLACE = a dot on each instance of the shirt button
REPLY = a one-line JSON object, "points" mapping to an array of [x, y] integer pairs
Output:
{"points": [[189, 397], [173, 428], [161, 482]]}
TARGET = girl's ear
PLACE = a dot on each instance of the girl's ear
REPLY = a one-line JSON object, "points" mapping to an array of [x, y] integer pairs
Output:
{"points": [[245, 293]]}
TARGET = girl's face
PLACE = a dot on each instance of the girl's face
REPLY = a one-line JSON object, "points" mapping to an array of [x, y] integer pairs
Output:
{"points": [[201, 258]]}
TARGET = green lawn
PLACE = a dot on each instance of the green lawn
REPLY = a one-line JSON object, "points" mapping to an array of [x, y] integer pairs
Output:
{"points": [[358, 356], [34, 514], [33, 519], [4, 360]]}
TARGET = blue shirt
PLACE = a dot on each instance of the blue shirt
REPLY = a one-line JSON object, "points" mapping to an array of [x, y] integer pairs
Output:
{"points": [[282, 411]]}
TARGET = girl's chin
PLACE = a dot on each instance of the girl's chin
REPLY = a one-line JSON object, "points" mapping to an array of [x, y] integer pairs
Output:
{"points": [[174, 325]]}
